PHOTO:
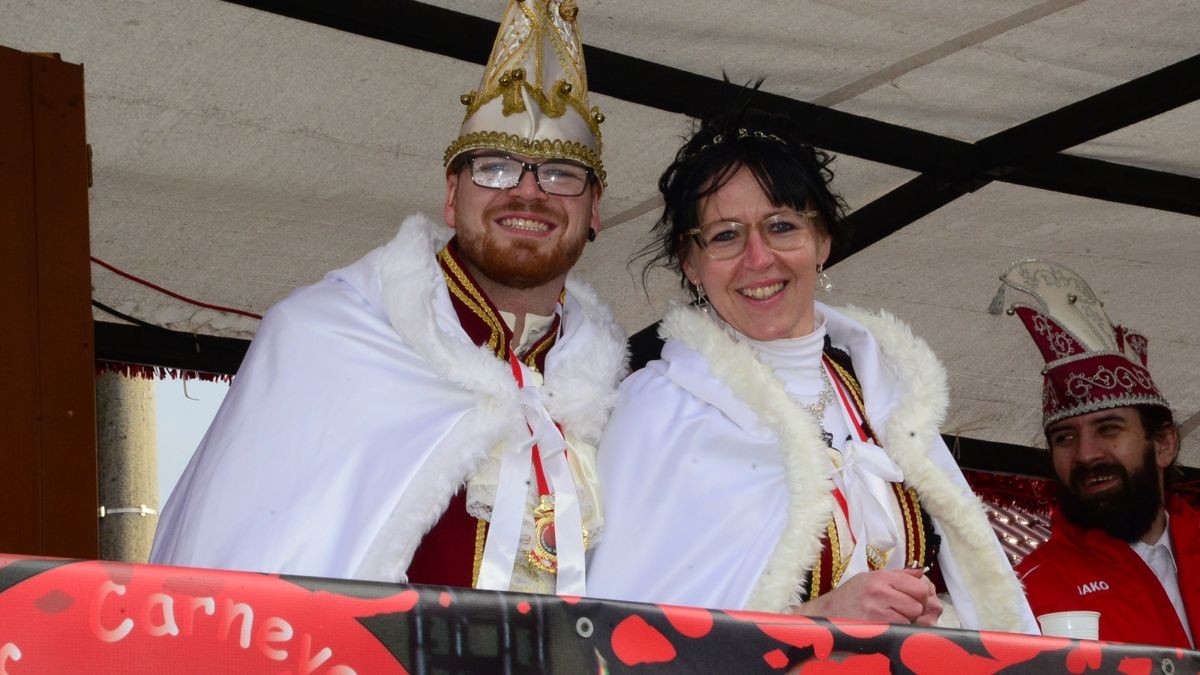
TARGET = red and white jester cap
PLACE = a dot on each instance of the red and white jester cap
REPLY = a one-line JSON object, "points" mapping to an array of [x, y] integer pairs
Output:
{"points": [[1091, 363]]}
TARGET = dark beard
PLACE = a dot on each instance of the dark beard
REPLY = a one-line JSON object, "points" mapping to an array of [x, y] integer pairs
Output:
{"points": [[520, 264], [1125, 513]]}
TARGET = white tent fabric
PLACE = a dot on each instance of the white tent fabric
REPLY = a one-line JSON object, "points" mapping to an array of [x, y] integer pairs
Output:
{"points": [[239, 154]]}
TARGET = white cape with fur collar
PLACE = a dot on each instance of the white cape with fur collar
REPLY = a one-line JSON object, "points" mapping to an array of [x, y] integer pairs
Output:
{"points": [[717, 497], [361, 407]]}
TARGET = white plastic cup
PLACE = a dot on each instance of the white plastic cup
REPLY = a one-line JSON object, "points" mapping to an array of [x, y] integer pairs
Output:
{"points": [[1081, 625]]}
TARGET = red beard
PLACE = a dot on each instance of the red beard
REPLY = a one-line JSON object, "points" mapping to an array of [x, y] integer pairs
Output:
{"points": [[516, 263]]}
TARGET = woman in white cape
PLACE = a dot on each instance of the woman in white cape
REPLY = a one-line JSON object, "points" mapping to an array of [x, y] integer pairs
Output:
{"points": [[782, 455]]}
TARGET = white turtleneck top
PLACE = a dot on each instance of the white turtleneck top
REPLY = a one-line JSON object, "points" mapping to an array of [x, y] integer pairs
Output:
{"points": [[862, 472]]}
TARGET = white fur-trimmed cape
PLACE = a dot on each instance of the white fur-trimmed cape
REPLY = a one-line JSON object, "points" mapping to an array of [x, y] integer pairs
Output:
{"points": [[906, 398], [359, 410], [582, 372]]}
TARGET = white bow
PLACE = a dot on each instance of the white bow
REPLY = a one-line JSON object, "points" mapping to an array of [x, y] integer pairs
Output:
{"points": [[508, 512], [865, 477]]}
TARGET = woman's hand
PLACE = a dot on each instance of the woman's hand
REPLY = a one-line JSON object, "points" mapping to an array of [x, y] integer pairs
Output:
{"points": [[889, 596]]}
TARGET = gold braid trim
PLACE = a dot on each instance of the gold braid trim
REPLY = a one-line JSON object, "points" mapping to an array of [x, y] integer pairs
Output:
{"points": [[814, 587], [851, 384], [480, 539], [836, 563], [551, 106], [918, 528], [500, 140], [547, 340], [531, 358], [465, 291], [910, 559], [459, 274], [837, 566]]}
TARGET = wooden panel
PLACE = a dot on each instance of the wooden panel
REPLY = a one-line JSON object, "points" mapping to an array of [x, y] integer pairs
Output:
{"points": [[67, 364], [19, 410], [52, 451]]}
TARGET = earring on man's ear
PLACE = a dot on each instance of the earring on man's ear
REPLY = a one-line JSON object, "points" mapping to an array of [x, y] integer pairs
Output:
{"points": [[701, 298], [591, 234], [823, 281]]}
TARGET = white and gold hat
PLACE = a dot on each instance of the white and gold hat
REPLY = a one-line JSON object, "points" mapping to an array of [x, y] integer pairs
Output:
{"points": [[533, 97]]}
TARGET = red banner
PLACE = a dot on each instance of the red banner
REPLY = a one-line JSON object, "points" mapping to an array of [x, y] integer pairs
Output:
{"points": [[61, 616]]}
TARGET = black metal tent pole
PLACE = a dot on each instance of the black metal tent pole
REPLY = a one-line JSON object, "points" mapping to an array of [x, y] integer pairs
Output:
{"points": [[465, 37], [1035, 143]]}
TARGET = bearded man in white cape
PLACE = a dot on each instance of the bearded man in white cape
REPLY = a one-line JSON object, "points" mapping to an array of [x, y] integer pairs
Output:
{"points": [[429, 414]]}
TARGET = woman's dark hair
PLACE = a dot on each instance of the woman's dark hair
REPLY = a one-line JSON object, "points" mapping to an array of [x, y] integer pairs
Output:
{"points": [[791, 172]]}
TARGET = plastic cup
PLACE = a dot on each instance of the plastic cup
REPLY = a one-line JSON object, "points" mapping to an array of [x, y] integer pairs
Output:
{"points": [[1080, 624]]}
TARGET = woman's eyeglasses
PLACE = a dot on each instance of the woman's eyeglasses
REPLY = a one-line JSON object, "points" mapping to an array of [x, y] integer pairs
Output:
{"points": [[726, 239]]}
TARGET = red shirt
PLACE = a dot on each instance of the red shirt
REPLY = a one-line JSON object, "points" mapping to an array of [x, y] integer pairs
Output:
{"points": [[1086, 569]]}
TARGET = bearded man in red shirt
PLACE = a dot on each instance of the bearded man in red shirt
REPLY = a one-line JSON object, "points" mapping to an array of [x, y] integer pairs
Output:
{"points": [[1120, 544]]}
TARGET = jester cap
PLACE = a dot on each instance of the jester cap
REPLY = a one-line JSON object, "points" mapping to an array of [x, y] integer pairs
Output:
{"points": [[533, 99], [1091, 363]]}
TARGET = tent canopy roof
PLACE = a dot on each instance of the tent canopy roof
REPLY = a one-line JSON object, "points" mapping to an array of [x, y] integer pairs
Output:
{"points": [[240, 152]]}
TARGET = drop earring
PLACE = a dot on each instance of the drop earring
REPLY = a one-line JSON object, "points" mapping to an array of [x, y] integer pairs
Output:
{"points": [[591, 234], [701, 297], [823, 281]]}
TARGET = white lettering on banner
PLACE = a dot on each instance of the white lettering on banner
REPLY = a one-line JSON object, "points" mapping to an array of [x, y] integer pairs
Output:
{"points": [[1092, 587], [166, 605], [233, 610], [275, 629], [116, 634], [210, 608], [310, 664], [9, 652], [159, 617]]}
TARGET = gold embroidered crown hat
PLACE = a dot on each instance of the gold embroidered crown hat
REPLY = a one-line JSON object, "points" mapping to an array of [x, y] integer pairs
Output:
{"points": [[533, 99], [1091, 363]]}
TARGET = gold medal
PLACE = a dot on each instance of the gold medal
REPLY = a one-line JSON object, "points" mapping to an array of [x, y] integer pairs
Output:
{"points": [[544, 552]]}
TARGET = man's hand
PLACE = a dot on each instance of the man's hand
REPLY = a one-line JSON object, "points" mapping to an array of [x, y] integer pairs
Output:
{"points": [[889, 596]]}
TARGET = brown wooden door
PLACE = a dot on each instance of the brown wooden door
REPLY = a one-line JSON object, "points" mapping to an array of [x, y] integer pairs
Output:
{"points": [[48, 500]]}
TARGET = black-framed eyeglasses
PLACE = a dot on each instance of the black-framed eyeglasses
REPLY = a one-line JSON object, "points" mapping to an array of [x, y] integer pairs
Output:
{"points": [[560, 177], [725, 239]]}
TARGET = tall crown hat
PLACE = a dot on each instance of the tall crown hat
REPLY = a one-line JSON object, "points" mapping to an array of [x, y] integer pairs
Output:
{"points": [[1091, 363], [533, 99]]}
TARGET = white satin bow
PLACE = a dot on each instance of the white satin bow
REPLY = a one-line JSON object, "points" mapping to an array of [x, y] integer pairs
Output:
{"points": [[865, 478], [509, 510]]}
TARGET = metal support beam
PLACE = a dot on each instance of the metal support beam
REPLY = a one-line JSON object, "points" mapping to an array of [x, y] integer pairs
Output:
{"points": [[156, 347], [1034, 146], [465, 37]]}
